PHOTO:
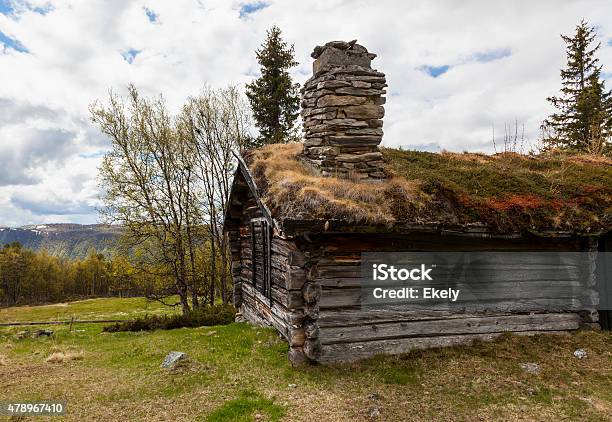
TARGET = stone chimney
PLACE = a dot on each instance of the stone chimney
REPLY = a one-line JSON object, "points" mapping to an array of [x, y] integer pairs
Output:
{"points": [[342, 111]]}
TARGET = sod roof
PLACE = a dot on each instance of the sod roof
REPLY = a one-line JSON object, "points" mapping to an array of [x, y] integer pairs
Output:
{"points": [[504, 192]]}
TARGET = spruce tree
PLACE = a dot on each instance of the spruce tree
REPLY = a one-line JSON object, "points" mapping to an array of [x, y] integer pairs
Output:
{"points": [[595, 104], [273, 96], [583, 121]]}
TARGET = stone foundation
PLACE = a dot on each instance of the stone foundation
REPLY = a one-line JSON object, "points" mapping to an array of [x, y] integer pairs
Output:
{"points": [[342, 111]]}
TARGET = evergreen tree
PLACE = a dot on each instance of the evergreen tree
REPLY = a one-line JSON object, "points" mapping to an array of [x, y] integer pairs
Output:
{"points": [[273, 96], [595, 104], [583, 121]]}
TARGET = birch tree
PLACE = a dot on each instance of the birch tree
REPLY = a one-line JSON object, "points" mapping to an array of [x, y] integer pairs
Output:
{"points": [[167, 179]]}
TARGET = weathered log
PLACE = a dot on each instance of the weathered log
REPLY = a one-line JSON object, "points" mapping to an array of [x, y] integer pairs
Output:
{"points": [[311, 329], [297, 336], [311, 292], [312, 349], [455, 326], [296, 258], [311, 311], [261, 316], [589, 316], [350, 352], [292, 279], [254, 296], [237, 296], [297, 357], [522, 292], [284, 247]]}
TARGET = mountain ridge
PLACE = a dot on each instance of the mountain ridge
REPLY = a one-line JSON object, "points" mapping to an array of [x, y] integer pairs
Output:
{"points": [[69, 240]]}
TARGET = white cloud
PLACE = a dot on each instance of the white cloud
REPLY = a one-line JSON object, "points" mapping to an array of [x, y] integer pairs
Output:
{"points": [[503, 61]]}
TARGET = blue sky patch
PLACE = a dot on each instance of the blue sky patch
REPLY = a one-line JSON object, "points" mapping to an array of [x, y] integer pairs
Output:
{"points": [[12, 43], [249, 8], [6, 7], [151, 15], [492, 55], [130, 55], [435, 71]]}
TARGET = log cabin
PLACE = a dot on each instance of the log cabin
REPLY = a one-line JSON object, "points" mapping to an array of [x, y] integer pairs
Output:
{"points": [[303, 217]]}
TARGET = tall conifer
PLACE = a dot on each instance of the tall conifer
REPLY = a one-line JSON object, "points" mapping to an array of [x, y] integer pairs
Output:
{"points": [[273, 96], [583, 121]]}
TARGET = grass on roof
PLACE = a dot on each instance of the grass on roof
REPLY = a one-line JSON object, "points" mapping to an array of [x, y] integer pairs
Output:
{"points": [[507, 192]]}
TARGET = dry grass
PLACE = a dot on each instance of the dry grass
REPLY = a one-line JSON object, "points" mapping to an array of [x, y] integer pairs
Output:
{"points": [[507, 192], [3, 360], [294, 189], [61, 357]]}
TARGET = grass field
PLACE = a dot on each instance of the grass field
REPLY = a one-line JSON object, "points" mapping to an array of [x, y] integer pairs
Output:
{"points": [[91, 309], [239, 372]]}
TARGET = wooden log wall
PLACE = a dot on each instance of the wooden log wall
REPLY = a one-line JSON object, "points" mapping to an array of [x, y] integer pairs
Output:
{"points": [[284, 310], [342, 330], [285, 305]]}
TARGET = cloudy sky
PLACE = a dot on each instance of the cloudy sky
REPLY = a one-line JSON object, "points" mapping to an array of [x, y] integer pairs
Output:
{"points": [[454, 69]]}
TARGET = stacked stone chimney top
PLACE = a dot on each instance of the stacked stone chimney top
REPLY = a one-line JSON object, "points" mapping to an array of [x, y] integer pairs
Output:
{"points": [[342, 111], [341, 53]]}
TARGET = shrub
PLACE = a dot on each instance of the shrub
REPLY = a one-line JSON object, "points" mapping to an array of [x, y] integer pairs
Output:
{"points": [[209, 315]]}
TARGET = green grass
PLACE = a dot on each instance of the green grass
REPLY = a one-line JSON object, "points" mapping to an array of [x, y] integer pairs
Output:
{"points": [[244, 407], [240, 372], [103, 308], [511, 191]]}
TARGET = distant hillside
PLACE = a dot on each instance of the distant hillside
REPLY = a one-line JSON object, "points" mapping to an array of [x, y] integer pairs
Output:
{"points": [[69, 240]]}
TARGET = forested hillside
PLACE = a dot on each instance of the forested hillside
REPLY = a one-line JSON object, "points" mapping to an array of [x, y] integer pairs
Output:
{"points": [[64, 240]]}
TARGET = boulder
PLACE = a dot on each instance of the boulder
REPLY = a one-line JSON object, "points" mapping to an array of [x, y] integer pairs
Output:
{"points": [[173, 359], [580, 353]]}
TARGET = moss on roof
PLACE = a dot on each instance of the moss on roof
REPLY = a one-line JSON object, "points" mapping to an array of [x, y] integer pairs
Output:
{"points": [[506, 192]]}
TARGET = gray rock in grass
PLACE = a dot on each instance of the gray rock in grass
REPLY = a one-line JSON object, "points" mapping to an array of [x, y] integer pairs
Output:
{"points": [[580, 353], [531, 368], [173, 359]]}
